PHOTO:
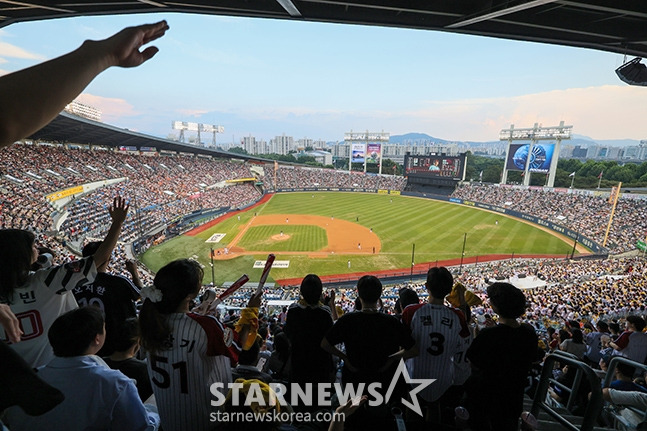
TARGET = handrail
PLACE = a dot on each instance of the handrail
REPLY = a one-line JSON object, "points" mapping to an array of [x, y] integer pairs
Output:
{"points": [[611, 373], [594, 404]]}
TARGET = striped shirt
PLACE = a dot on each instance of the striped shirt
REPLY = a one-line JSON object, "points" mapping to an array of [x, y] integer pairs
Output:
{"points": [[45, 296], [440, 334], [201, 352]]}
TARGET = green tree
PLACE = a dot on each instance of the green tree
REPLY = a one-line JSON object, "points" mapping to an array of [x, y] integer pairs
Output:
{"points": [[238, 150]]}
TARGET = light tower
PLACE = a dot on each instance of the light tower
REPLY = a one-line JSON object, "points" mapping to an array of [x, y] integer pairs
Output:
{"points": [[365, 146], [183, 126], [537, 156]]}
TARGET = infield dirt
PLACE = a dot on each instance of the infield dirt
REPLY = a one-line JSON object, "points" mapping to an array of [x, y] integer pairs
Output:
{"points": [[344, 237]]}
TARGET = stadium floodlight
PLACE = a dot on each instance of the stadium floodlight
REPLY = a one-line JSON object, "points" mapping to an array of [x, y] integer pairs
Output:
{"points": [[633, 72]]}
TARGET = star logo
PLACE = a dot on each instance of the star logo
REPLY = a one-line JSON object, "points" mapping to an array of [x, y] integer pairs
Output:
{"points": [[422, 383]]}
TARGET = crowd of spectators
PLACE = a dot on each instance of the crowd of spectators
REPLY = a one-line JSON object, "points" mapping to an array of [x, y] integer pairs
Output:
{"points": [[190, 354], [293, 177], [584, 212]]}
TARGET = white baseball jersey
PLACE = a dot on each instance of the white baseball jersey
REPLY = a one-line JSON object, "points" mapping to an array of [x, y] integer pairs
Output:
{"points": [[45, 296], [440, 334], [201, 352]]}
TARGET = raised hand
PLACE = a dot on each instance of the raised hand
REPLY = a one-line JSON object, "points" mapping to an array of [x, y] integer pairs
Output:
{"points": [[118, 210], [255, 300], [123, 47]]}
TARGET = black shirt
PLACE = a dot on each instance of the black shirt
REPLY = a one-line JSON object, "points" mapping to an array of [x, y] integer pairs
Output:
{"points": [[114, 295], [370, 338], [305, 328], [136, 370]]}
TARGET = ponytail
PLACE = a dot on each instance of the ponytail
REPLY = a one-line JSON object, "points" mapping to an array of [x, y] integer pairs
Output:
{"points": [[176, 281]]}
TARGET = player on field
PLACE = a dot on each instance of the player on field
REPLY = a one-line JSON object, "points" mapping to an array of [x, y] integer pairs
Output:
{"points": [[441, 335], [38, 298], [188, 352]]}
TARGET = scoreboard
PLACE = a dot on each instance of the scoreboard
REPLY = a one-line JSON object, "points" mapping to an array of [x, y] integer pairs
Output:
{"points": [[435, 166]]}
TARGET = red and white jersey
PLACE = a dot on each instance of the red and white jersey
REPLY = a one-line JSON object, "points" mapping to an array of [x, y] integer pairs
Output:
{"points": [[440, 334], [45, 296], [201, 351]]}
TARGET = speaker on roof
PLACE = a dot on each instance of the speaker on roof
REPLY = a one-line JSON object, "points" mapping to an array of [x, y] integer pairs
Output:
{"points": [[633, 72]]}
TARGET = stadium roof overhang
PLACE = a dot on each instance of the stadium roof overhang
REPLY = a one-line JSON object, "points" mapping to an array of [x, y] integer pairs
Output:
{"points": [[68, 128], [608, 25]]}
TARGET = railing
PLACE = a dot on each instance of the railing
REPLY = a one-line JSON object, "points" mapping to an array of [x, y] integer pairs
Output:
{"points": [[609, 377], [582, 371]]}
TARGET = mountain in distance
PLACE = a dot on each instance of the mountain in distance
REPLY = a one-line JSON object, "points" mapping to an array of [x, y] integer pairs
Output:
{"points": [[416, 138], [581, 140]]}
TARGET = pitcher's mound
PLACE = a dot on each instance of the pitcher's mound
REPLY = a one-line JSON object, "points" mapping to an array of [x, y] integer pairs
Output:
{"points": [[280, 237]]}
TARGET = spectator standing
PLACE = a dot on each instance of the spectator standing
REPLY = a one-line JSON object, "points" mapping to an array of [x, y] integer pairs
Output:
{"points": [[38, 298], [439, 332], [501, 357], [187, 352], [306, 325], [113, 294], [375, 342]]}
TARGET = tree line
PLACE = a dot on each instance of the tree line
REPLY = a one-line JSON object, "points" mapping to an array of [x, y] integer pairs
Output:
{"points": [[586, 173]]}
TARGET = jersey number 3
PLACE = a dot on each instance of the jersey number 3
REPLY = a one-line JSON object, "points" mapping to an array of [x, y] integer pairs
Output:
{"points": [[437, 340]]}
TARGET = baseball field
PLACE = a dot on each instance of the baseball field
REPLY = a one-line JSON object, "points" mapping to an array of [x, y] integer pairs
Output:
{"points": [[339, 233]]}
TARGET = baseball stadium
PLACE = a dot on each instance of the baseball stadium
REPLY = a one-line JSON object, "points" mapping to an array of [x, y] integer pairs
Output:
{"points": [[143, 276]]}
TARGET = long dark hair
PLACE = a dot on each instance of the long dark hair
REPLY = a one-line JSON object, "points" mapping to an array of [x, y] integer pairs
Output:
{"points": [[176, 280], [15, 257]]}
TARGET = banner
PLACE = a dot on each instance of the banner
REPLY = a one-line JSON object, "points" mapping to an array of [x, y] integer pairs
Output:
{"points": [[640, 245], [64, 193], [276, 264], [358, 153], [373, 153]]}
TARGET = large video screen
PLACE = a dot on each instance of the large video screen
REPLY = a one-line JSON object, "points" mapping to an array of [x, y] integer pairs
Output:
{"points": [[434, 166], [540, 158]]}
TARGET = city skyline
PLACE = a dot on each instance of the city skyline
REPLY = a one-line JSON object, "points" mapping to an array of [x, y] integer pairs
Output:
{"points": [[265, 77]]}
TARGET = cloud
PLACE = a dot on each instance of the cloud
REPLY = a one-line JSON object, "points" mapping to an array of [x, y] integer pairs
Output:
{"points": [[111, 109], [605, 112], [192, 112], [13, 51]]}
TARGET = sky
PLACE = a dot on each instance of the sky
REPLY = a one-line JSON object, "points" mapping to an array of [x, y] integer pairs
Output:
{"points": [[265, 78]]}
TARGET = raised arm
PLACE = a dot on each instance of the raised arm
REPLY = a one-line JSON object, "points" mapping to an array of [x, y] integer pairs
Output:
{"points": [[131, 267], [118, 211], [32, 97]]}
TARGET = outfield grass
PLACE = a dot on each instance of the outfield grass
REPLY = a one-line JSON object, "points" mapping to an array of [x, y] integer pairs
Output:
{"points": [[436, 228]]}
